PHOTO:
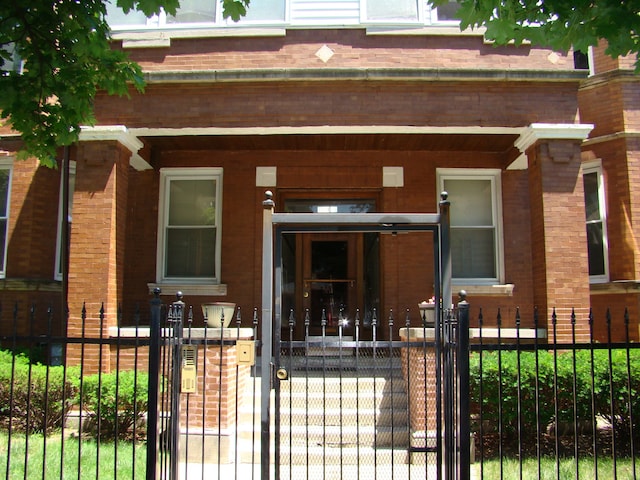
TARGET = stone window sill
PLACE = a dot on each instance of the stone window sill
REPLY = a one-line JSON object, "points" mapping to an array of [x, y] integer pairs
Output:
{"points": [[505, 290], [189, 290]]}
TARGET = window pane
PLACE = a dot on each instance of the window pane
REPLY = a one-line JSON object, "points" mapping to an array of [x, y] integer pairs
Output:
{"points": [[192, 202], [473, 253], [591, 197], [447, 11], [471, 202], [4, 190], [191, 252], [265, 10], [3, 242], [194, 11], [595, 246], [329, 206], [392, 10], [115, 16], [329, 260]]}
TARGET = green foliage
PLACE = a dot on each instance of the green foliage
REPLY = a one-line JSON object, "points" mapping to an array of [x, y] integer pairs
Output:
{"points": [[501, 388], [559, 24], [34, 397], [65, 48], [114, 403]]}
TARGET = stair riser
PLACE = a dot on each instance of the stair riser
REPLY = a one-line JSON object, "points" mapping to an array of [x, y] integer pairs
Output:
{"points": [[347, 418]]}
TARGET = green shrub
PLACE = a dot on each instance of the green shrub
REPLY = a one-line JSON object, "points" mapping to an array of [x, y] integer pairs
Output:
{"points": [[500, 390], [40, 400], [615, 379], [114, 403]]}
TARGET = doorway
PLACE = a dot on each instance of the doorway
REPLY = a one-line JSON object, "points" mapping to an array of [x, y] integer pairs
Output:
{"points": [[332, 277]]}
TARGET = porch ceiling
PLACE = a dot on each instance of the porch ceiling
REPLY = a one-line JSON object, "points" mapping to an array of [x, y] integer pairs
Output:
{"points": [[377, 141]]}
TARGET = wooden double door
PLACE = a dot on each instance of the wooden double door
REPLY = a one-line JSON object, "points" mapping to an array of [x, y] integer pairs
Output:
{"points": [[332, 277]]}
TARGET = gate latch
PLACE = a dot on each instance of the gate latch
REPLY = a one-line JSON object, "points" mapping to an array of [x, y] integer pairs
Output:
{"points": [[282, 374]]}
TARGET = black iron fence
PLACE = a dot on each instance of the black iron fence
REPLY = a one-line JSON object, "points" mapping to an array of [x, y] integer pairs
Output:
{"points": [[177, 399], [544, 409]]}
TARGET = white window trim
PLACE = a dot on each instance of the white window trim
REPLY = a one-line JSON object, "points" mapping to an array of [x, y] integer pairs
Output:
{"points": [[166, 175], [7, 164], [57, 275], [494, 176], [595, 166]]}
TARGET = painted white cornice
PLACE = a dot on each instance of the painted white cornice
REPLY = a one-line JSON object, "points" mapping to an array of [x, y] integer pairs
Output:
{"points": [[546, 131], [120, 134], [552, 131]]}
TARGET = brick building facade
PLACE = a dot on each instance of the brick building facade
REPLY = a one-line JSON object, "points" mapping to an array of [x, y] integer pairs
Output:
{"points": [[335, 116]]}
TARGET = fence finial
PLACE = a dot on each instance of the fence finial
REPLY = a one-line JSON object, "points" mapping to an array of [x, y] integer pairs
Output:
{"points": [[268, 201]]}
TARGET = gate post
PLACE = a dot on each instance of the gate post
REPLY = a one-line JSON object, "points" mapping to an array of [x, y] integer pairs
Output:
{"points": [[267, 332], [152, 386], [464, 427], [176, 313], [445, 251]]}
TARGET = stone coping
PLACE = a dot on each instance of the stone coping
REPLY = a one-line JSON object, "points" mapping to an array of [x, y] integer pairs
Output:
{"points": [[194, 333], [418, 333]]}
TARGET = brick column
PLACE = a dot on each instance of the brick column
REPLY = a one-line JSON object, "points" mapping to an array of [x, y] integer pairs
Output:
{"points": [[559, 243], [420, 376], [208, 417], [96, 257]]}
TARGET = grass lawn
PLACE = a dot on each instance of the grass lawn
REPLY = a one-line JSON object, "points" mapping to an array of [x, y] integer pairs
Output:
{"points": [[122, 460], [549, 469]]}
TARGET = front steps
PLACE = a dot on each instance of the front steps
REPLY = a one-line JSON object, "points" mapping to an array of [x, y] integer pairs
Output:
{"points": [[335, 418]]}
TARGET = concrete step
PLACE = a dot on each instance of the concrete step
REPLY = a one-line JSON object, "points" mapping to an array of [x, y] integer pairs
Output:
{"points": [[347, 436], [349, 420], [334, 454], [344, 384], [365, 400], [332, 420], [346, 416]]}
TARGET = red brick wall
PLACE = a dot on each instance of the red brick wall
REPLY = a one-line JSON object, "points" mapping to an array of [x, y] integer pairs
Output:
{"points": [[33, 222], [560, 268], [96, 259], [274, 104], [115, 213], [607, 116], [406, 259], [31, 250], [351, 47], [610, 101], [604, 63], [609, 316]]}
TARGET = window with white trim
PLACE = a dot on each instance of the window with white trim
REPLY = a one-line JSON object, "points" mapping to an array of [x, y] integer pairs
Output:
{"points": [[72, 187], [391, 10], [6, 171], [596, 221], [189, 234], [476, 224], [194, 13]]}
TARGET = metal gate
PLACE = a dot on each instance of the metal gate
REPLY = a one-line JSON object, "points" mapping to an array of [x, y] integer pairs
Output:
{"points": [[345, 407], [379, 398]]}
